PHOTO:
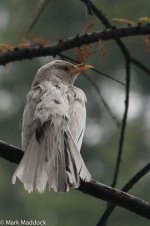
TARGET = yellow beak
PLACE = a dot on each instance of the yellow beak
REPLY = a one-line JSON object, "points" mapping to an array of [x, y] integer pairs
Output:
{"points": [[81, 67]]}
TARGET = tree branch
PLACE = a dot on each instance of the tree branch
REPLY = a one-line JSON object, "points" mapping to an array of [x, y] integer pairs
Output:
{"points": [[126, 188], [113, 195], [77, 41], [123, 127], [140, 65], [92, 188], [39, 9], [10, 152], [111, 114], [98, 13]]}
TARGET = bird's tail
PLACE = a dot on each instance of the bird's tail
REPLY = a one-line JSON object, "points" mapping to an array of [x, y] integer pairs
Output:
{"points": [[55, 161]]}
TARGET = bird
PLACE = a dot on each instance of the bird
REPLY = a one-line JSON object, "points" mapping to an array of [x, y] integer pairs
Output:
{"points": [[53, 126]]}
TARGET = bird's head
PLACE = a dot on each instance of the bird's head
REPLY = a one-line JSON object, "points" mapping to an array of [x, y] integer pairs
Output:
{"points": [[61, 71]]}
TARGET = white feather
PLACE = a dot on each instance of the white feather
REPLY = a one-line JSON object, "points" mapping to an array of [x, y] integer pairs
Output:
{"points": [[58, 112]]}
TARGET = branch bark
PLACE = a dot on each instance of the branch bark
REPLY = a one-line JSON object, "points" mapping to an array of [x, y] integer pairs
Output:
{"points": [[77, 41], [140, 65], [124, 122], [113, 195], [93, 188], [126, 188]]}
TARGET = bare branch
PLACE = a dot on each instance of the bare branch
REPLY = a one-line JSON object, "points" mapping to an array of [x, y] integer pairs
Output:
{"points": [[92, 188], [102, 100], [136, 178], [139, 175], [140, 65], [37, 51], [39, 9], [123, 127], [98, 13], [112, 195], [10, 152], [108, 76]]}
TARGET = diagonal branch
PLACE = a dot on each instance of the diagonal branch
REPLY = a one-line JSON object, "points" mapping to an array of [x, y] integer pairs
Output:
{"points": [[93, 69], [112, 195], [40, 8], [10, 152], [140, 65], [139, 175], [77, 41], [98, 13], [114, 118], [92, 188], [108, 76]]}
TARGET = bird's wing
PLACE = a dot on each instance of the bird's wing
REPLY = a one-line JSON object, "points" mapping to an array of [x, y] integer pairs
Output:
{"points": [[77, 117], [53, 119], [44, 103], [53, 108], [76, 128], [33, 99]]}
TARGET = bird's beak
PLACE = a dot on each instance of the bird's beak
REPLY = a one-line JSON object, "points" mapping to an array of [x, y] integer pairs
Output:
{"points": [[81, 67]]}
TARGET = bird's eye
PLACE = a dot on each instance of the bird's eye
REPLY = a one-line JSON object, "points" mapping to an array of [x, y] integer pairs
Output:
{"points": [[66, 68]]}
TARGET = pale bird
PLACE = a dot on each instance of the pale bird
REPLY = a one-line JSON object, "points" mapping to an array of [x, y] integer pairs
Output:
{"points": [[53, 126]]}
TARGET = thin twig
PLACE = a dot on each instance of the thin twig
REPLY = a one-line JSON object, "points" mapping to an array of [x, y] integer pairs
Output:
{"points": [[123, 127], [138, 176], [94, 69], [39, 9], [140, 65], [98, 13], [93, 188], [108, 76], [114, 118]]}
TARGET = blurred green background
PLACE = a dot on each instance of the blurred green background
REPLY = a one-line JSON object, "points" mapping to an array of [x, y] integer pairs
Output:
{"points": [[62, 19]]}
